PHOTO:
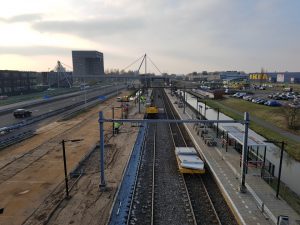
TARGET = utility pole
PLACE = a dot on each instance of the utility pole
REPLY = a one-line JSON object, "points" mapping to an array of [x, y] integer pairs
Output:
{"points": [[139, 93], [184, 99], [198, 108], [244, 153], [102, 184], [218, 117], [205, 110], [113, 124]]}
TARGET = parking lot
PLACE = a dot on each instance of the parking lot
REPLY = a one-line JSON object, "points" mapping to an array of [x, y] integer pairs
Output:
{"points": [[269, 97]]}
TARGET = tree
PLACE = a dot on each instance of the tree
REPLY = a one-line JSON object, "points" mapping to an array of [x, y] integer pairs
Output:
{"points": [[292, 115]]}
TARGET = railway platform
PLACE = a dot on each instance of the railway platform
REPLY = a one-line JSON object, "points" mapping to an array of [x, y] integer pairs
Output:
{"points": [[226, 168]]}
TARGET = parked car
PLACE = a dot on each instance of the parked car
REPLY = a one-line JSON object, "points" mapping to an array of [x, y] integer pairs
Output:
{"points": [[272, 103], [254, 100], [20, 113], [239, 94]]}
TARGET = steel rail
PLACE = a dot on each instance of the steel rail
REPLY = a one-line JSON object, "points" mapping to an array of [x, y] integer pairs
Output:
{"points": [[153, 175], [173, 140], [136, 180], [205, 190], [5, 142]]}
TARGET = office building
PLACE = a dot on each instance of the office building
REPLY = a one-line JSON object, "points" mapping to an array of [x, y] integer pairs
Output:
{"points": [[14, 82], [87, 63]]}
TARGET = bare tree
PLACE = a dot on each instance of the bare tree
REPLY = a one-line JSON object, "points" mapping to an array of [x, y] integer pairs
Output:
{"points": [[292, 115]]}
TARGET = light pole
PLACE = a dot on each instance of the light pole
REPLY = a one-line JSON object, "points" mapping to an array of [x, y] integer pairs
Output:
{"points": [[65, 163], [244, 153], [139, 96], [184, 100], [205, 108], [280, 163], [218, 117]]}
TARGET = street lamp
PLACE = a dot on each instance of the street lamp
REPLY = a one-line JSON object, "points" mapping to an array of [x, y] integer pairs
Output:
{"points": [[65, 163], [218, 117], [280, 162], [184, 100], [205, 108]]}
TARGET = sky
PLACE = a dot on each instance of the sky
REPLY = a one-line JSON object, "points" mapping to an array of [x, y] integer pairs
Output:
{"points": [[180, 36]]}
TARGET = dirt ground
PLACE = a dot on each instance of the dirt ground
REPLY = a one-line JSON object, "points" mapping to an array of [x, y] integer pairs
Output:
{"points": [[31, 172]]}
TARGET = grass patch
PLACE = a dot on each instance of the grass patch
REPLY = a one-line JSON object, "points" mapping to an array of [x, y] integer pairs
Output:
{"points": [[292, 147], [273, 115]]}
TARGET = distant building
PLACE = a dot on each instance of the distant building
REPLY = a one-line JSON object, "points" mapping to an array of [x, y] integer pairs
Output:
{"points": [[217, 76], [87, 64], [280, 77], [233, 75], [14, 82]]}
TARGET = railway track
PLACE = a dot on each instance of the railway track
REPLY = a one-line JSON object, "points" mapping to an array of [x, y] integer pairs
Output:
{"points": [[207, 201], [196, 198], [160, 195], [20, 162]]}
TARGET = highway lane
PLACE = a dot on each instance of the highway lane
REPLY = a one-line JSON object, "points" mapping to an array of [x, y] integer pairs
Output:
{"points": [[8, 119]]}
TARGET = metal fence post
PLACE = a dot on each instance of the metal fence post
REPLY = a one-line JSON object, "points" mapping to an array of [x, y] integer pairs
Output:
{"points": [[113, 124], [218, 117]]}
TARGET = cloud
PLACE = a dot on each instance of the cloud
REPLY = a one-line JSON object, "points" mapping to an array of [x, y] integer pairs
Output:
{"points": [[34, 50], [212, 34], [22, 18], [90, 28]]}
